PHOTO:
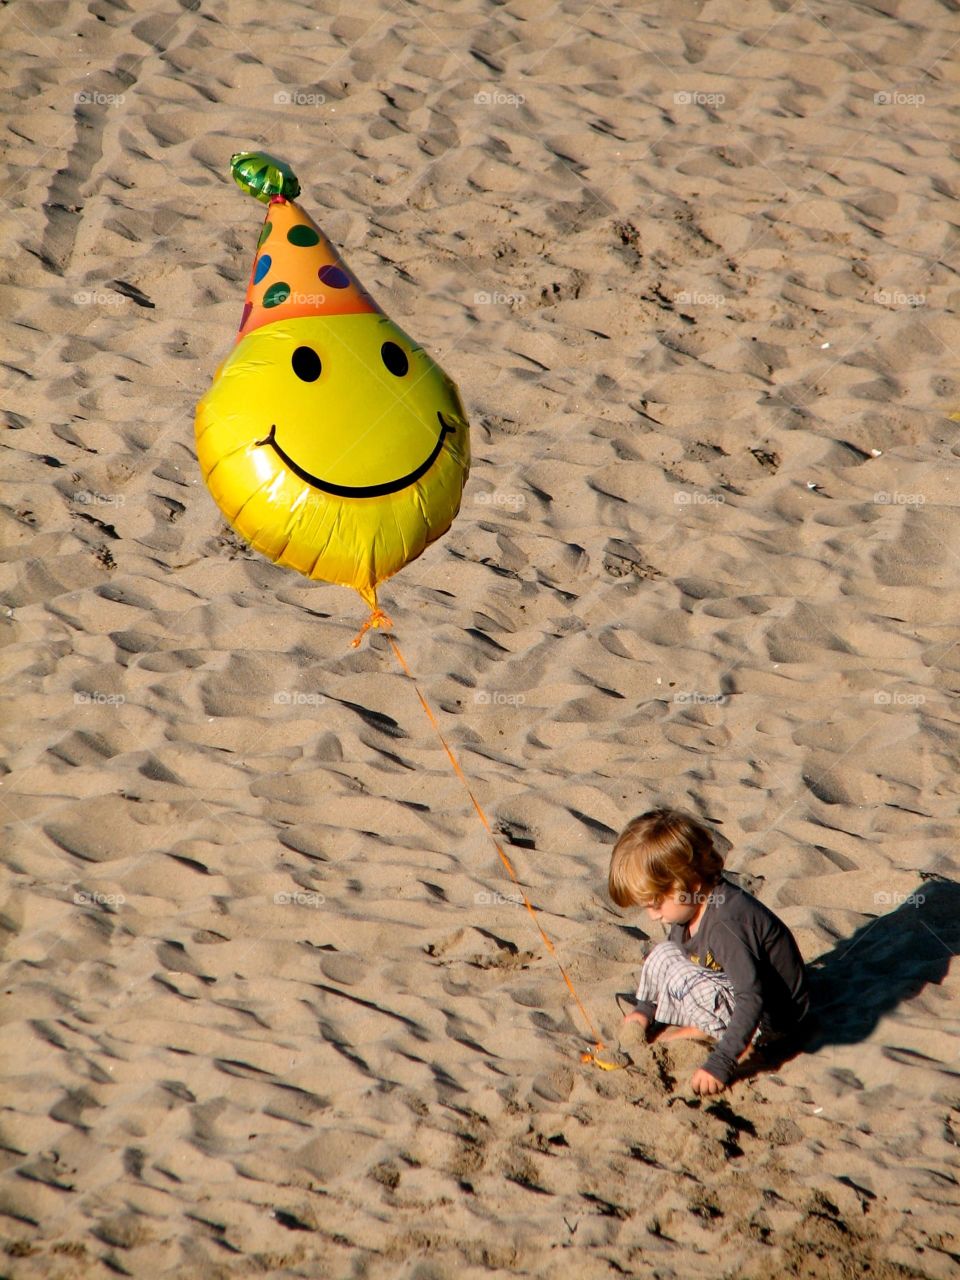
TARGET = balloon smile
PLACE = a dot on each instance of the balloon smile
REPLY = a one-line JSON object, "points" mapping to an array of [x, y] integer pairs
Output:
{"points": [[361, 490]]}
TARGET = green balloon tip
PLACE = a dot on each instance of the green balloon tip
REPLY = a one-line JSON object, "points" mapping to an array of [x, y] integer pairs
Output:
{"points": [[263, 176]]}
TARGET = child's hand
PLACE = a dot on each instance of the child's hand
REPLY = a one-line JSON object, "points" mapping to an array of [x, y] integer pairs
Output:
{"points": [[703, 1082]]}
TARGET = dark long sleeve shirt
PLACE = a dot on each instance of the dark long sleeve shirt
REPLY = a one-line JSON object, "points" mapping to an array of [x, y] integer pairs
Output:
{"points": [[739, 936]]}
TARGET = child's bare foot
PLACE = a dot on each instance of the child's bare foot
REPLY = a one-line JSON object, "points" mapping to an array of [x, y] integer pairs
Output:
{"points": [[637, 1016], [683, 1033], [633, 1029]]}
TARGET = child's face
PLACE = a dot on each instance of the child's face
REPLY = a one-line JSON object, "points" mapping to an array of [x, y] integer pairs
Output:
{"points": [[677, 907]]}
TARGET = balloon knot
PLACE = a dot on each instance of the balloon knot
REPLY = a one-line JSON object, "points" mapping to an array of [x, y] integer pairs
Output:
{"points": [[377, 619], [263, 176]]}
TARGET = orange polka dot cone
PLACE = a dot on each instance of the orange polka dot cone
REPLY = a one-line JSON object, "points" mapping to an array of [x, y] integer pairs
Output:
{"points": [[329, 439]]}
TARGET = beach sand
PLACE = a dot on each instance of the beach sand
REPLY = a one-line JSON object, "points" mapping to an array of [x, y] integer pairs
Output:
{"points": [[272, 1004]]}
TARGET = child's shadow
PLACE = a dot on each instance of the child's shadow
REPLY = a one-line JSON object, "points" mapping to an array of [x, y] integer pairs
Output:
{"points": [[887, 961]]}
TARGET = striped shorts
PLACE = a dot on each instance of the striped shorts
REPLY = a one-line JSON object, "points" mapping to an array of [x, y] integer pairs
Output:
{"points": [[686, 994]]}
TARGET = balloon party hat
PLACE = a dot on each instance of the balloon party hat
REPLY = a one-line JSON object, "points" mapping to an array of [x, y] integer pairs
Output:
{"points": [[297, 271]]}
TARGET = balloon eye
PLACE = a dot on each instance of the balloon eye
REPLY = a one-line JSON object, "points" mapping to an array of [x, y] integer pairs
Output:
{"points": [[306, 364], [395, 358]]}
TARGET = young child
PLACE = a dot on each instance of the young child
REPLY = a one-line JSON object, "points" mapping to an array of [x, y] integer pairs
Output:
{"points": [[730, 968]]}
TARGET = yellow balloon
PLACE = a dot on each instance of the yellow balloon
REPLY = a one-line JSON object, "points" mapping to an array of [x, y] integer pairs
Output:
{"points": [[329, 439]]}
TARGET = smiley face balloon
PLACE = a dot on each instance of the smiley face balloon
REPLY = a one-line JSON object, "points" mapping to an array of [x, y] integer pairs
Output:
{"points": [[329, 439]]}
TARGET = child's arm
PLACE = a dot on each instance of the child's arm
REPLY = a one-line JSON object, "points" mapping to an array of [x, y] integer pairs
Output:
{"points": [[734, 955]]}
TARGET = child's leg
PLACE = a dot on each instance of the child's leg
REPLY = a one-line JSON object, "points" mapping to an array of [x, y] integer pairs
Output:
{"points": [[687, 996], [694, 1033], [660, 963], [683, 1033]]}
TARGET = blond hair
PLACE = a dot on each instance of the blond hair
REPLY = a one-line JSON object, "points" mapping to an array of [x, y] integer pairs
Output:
{"points": [[660, 852]]}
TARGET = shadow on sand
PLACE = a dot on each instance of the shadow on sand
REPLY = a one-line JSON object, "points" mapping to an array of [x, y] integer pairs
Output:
{"points": [[887, 961]]}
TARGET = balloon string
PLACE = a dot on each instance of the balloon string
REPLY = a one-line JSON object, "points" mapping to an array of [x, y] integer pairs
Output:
{"points": [[377, 619], [598, 1043]]}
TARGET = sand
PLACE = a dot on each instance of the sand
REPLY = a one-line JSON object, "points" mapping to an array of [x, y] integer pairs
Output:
{"points": [[272, 1004]]}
